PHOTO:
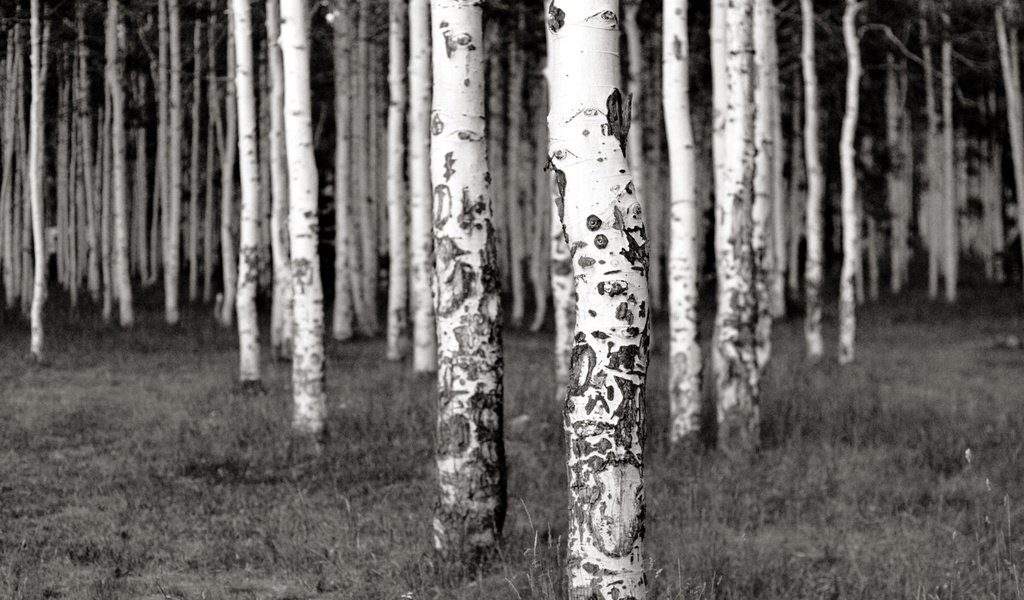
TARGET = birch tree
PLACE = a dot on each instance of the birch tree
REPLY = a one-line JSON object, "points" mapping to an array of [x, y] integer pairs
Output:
{"points": [[308, 354], [604, 228], [766, 146], [397, 190], [35, 175], [851, 220], [421, 240], [228, 143], [1009, 60], [115, 86], [248, 243], [470, 451], [813, 269], [686, 361], [281, 322], [347, 278], [172, 219]]}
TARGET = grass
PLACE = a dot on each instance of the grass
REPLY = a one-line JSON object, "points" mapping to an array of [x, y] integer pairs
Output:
{"points": [[131, 467]]}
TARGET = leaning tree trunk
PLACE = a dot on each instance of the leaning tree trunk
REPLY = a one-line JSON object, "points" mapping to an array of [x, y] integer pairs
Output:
{"points": [[604, 410], [397, 190], [814, 269], [421, 240], [848, 157], [1009, 58], [115, 85], [308, 355], [470, 447], [248, 167], [950, 214], [686, 361], [281, 322], [36, 176]]}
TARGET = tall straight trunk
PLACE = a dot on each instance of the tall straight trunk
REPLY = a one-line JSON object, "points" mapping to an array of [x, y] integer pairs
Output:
{"points": [[950, 213], [36, 174], [141, 197], [496, 135], [421, 239], [282, 326], [515, 223], [932, 196], [119, 163], [1009, 59], [194, 153], [214, 146], [365, 198], [61, 182], [174, 133], [85, 120], [686, 361], [346, 298], [397, 189], [814, 267], [308, 356], [8, 203], [603, 222], [265, 197], [104, 175], [161, 167], [848, 165], [898, 205], [993, 195], [470, 452], [766, 146], [780, 206], [248, 166], [228, 256], [540, 259]]}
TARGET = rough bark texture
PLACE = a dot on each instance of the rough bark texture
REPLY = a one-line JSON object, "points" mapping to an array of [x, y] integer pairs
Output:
{"points": [[115, 86], [766, 146], [397, 189], [604, 229], [421, 239], [813, 269], [848, 157], [248, 167], [686, 361], [308, 356]]}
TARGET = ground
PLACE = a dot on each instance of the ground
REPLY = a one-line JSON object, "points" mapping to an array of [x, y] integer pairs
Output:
{"points": [[132, 467]]}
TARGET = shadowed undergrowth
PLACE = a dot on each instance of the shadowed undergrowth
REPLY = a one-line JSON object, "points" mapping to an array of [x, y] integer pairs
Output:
{"points": [[131, 466]]}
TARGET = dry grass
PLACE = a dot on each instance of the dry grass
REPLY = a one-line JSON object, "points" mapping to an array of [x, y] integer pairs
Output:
{"points": [[129, 468]]}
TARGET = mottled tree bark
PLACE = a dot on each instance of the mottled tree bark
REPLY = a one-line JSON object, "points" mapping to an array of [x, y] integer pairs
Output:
{"points": [[38, 48], [397, 189], [308, 356], [470, 453], [766, 146], [115, 86], [848, 171], [282, 324], [421, 239], [604, 227], [813, 268], [686, 361]]}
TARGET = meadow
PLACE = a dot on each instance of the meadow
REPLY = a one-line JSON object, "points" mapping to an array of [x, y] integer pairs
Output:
{"points": [[131, 466]]}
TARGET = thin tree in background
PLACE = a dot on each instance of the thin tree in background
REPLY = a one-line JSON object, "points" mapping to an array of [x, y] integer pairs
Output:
{"points": [[932, 197], [601, 216], [850, 198], [310, 403], [115, 86], [397, 188], [228, 143], [421, 240], [38, 48], [813, 269], [950, 213], [193, 181], [248, 243], [470, 452], [346, 281], [734, 356], [282, 324], [174, 134], [1009, 59], [686, 361]]}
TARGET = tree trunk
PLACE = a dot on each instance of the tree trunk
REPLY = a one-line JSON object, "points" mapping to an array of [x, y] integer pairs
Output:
{"points": [[345, 285], [248, 166], [470, 453], [397, 189], [8, 203], [686, 361], [604, 411], [36, 174], [540, 259], [779, 222], [848, 157], [814, 268], [228, 260], [515, 223], [363, 161], [421, 240], [950, 214], [931, 198], [308, 356], [214, 143], [193, 187], [1009, 59], [282, 324], [174, 133], [899, 207], [765, 146], [85, 119], [115, 85]]}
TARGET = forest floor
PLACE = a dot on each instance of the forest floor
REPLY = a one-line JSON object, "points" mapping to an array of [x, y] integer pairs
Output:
{"points": [[132, 467]]}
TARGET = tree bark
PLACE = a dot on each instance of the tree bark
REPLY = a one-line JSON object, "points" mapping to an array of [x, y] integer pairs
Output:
{"points": [[470, 452], [193, 187], [214, 145], [686, 363], [115, 86], [366, 313], [36, 174], [229, 258], [1009, 59], [950, 213], [282, 324], [174, 133], [602, 219], [765, 145], [813, 269], [848, 168], [397, 188]]}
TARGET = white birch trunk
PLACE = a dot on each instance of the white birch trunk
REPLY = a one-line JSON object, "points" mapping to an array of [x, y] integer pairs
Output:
{"points": [[765, 146], [397, 189], [115, 85], [814, 268], [470, 452], [282, 324], [35, 178], [308, 357], [604, 411], [684, 347], [248, 166], [848, 156]]}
